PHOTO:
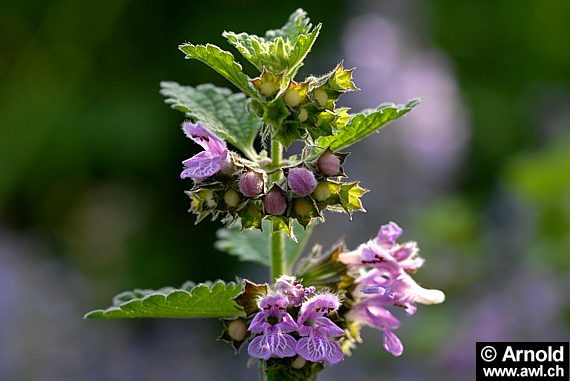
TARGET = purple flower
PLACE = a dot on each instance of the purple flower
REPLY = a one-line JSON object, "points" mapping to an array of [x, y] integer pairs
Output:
{"points": [[384, 282], [317, 330], [208, 162], [372, 315], [291, 288], [274, 323], [302, 181], [388, 234], [403, 292]]}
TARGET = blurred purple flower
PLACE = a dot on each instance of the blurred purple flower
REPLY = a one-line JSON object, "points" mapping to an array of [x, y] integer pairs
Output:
{"points": [[208, 162], [372, 315], [384, 281], [388, 234], [317, 345]]}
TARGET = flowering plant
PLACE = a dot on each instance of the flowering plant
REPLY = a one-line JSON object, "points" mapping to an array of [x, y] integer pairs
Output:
{"points": [[310, 315]]}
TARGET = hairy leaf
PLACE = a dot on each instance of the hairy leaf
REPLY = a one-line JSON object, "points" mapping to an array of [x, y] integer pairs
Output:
{"points": [[254, 245], [281, 50], [221, 111], [297, 24], [189, 301], [221, 61], [363, 124]]}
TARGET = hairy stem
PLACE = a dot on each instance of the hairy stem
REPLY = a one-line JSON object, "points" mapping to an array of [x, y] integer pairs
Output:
{"points": [[278, 260]]}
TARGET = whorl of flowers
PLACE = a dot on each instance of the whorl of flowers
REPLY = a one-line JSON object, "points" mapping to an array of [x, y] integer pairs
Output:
{"points": [[312, 336]]}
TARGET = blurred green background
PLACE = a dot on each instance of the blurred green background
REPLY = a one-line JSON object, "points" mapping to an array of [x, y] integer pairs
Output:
{"points": [[91, 202]]}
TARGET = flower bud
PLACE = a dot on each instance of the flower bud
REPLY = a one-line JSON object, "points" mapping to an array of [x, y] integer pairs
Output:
{"points": [[267, 89], [322, 192], [237, 329], [251, 184], [329, 164], [302, 181], [275, 202], [298, 363], [231, 198], [303, 115], [303, 207], [321, 97], [291, 98]]}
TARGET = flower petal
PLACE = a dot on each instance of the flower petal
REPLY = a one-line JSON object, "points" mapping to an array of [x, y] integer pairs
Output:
{"points": [[201, 166], [325, 326], [272, 344], [206, 138], [392, 343], [317, 348], [287, 323], [258, 324], [259, 349], [389, 233]]}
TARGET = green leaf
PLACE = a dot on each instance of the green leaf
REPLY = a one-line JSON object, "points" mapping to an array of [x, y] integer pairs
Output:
{"points": [[221, 111], [190, 301], [254, 245], [281, 50], [300, 51], [363, 124], [297, 24], [221, 61]]}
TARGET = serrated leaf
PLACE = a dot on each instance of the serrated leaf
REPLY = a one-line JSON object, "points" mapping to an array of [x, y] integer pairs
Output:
{"points": [[254, 245], [297, 23], [361, 125], [221, 61], [300, 51], [203, 300], [219, 109], [281, 50]]}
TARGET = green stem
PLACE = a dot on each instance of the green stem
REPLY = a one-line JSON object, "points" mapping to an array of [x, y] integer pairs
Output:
{"points": [[278, 260], [278, 264], [276, 154]]}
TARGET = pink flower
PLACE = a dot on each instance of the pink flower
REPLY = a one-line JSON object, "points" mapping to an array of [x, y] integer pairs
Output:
{"points": [[208, 162]]}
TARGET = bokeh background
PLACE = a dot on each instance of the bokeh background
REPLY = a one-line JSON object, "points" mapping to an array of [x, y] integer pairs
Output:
{"points": [[91, 202]]}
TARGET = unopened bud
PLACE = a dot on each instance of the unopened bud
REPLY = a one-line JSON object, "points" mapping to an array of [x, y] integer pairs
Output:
{"points": [[292, 98], [321, 97], [329, 164], [298, 363], [302, 181], [303, 207], [237, 329], [251, 184], [275, 202], [322, 192], [303, 115], [231, 198], [267, 89]]}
